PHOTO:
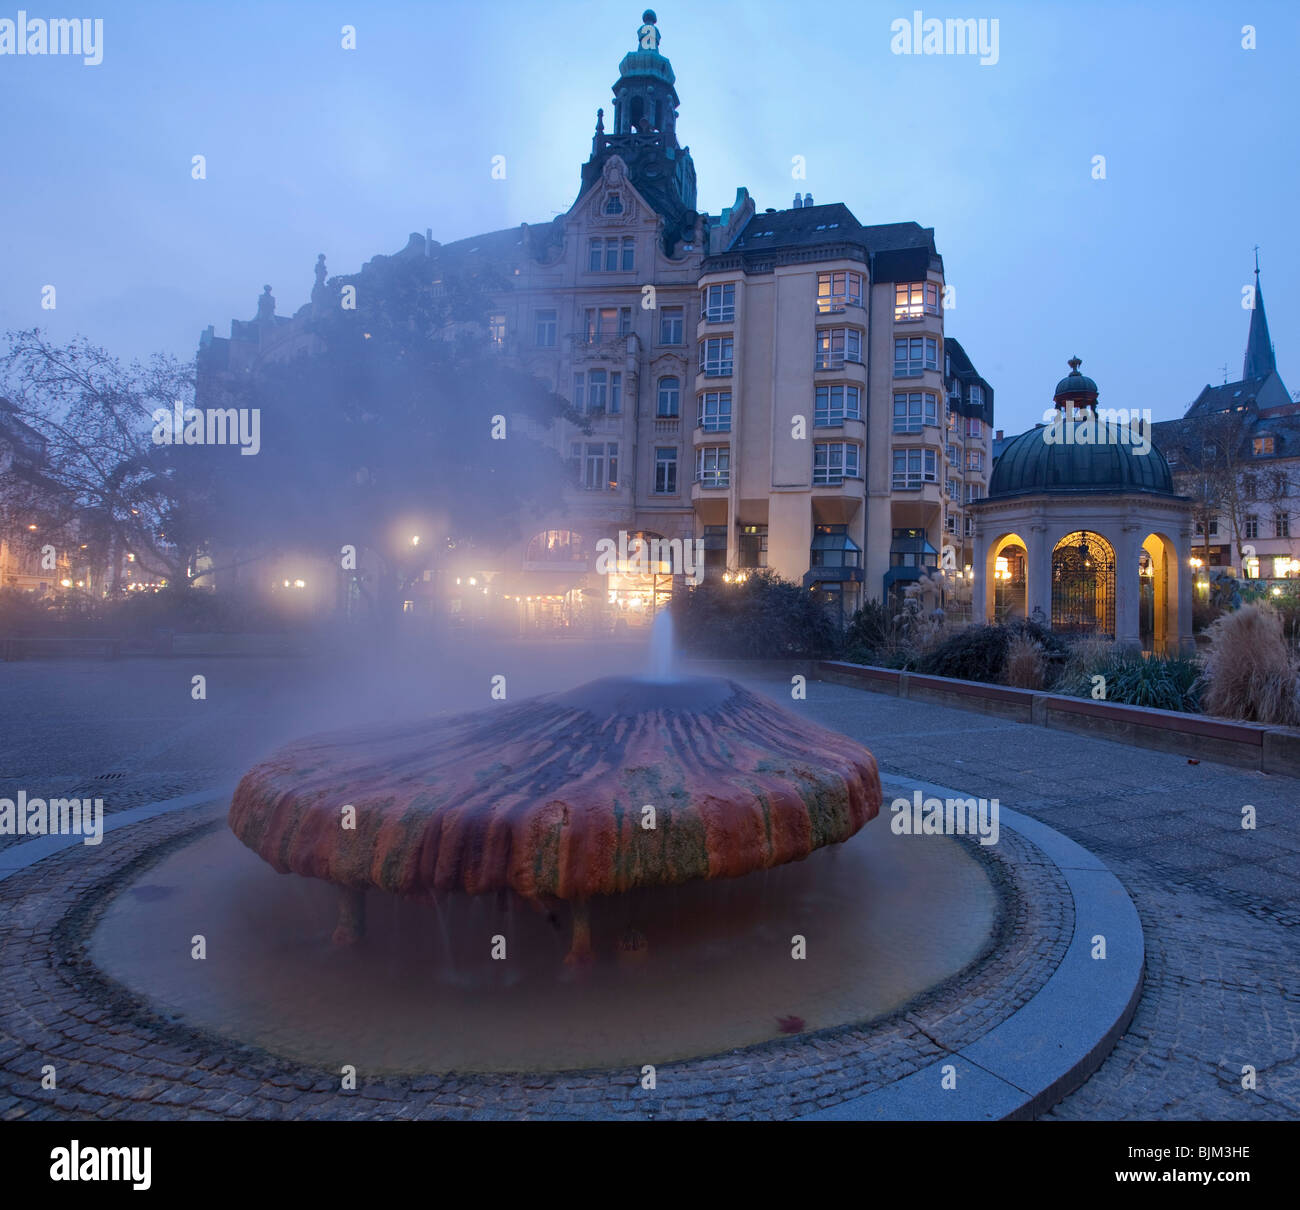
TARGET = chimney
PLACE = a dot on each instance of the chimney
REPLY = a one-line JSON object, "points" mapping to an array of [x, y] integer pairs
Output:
{"points": [[807, 200], [428, 244], [999, 435], [798, 202]]}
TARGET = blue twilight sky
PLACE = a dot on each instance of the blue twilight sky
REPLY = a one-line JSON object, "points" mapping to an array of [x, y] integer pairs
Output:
{"points": [[314, 148]]}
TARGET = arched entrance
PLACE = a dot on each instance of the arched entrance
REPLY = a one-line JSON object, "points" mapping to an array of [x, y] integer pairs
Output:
{"points": [[1083, 585], [1007, 572], [1157, 592]]}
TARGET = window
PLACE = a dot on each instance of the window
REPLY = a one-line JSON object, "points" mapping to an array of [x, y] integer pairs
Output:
{"points": [[615, 393], [835, 404], [974, 460], [970, 527], [973, 492], [950, 522], [719, 303], [912, 468], [716, 355], [614, 205], [1282, 526], [1250, 528], [497, 330], [715, 411], [665, 471], [834, 461], [1249, 487], [913, 354], [600, 466], [713, 466], [953, 488], [672, 323], [597, 384], [1214, 527], [670, 394], [1261, 446], [611, 255], [953, 421], [976, 398], [913, 410], [753, 546], [579, 392], [954, 455], [603, 323], [835, 346], [835, 291], [914, 299], [545, 329], [832, 547], [973, 428]]}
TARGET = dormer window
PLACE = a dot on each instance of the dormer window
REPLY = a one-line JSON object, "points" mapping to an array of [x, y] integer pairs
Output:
{"points": [[1262, 446], [614, 205]]}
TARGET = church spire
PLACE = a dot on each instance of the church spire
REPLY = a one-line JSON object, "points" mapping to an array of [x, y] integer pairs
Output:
{"points": [[1259, 362]]}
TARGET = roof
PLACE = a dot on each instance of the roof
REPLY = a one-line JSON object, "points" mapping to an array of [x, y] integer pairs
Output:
{"points": [[1258, 362], [899, 247], [1031, 464]]}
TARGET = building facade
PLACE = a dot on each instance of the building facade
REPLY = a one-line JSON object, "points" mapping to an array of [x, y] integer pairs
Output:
{"points": [[775, 385], [1235, 454]]}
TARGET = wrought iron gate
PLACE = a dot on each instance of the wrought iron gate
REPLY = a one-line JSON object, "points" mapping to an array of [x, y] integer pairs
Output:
{"points": [[1083, 585]]}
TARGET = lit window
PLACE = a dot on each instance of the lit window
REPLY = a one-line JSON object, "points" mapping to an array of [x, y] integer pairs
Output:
{"points": [[1261, 446], [600, 466], [914, 299], [974, 460], [835, 291], [973, 428], [497, 329]]}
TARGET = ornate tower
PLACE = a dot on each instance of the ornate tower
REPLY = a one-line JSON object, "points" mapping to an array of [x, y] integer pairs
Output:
{"points": [[645, 135]]}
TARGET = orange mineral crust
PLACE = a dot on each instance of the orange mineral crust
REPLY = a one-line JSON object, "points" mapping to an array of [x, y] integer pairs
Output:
{"points": [[621, 783]]}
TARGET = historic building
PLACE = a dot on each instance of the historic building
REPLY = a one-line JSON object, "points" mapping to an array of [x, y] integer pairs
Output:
{"points": [[1082, 530], [1236, 454], [774, 384]]}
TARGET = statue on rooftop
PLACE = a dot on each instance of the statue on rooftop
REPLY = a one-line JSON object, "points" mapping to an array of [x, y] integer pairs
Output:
{"points": [[648, 35]]}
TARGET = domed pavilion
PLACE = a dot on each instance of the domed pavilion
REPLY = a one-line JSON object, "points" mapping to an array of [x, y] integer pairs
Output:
{"points": [[1082, 531]]}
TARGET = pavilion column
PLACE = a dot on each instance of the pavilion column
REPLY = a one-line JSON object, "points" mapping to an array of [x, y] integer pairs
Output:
{"points": [[1127, 587], [1038, 574], [982, 590], [1181, 583]]}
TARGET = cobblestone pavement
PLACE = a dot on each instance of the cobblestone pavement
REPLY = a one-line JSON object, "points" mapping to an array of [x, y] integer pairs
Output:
{"points": [[1217, 902]]}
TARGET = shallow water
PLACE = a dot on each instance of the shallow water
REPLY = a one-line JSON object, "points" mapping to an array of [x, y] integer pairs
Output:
{"points": [[423, 994]]}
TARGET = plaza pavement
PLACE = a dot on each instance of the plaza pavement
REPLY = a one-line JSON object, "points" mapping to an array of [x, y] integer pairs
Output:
{"points": [[1217, 902]]}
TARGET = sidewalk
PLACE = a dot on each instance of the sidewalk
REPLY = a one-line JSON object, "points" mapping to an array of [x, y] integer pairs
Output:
{"points": [[1218, 903]]}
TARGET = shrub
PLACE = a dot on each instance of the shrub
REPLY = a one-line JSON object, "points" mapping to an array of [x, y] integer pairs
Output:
{"points": [[870, 629], [1250, 671], [765, 616], [1026, 667], [978, 653]]}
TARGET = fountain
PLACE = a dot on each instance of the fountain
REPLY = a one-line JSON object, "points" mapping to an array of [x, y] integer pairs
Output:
{"points": [[621, 784]]}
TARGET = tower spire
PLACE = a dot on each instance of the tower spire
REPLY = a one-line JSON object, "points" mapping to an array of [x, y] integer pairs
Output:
{"points": [[1259, 361]]}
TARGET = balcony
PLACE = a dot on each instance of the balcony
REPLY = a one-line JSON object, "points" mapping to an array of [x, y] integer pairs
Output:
{"points": [[666, 426], [602, 346]]}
